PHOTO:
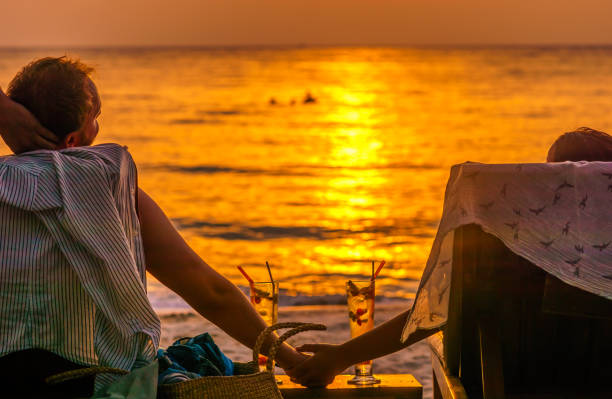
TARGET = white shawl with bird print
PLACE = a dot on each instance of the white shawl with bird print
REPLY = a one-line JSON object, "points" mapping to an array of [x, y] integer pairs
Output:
{"points": [[558, 216]]}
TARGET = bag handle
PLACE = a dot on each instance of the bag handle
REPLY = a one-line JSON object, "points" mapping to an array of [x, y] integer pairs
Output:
{"points": [[296, 328], [81, 373], [287, 335]]}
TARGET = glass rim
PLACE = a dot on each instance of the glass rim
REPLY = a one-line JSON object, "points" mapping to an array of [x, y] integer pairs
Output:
{"points": [[361, 281], [266, 282]]}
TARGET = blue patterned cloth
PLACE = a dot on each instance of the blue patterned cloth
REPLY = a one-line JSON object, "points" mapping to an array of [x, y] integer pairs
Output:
{"points": [[190, 358]]}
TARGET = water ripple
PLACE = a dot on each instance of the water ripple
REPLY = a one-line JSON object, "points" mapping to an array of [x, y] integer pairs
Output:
{"points": [[289, 170], [228, 231]]}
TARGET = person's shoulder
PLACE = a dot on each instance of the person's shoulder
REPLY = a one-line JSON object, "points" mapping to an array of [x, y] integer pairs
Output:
{"points": [[32, 163], [108, 153], [102, 149], [111, 157]]}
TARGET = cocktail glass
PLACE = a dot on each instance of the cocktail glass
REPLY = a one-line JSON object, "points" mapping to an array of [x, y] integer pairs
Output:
{"points": [[264, 297], [360, 299]]}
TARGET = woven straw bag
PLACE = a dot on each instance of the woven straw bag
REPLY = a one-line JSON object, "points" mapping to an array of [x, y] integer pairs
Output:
{"points": [[247, 383]]}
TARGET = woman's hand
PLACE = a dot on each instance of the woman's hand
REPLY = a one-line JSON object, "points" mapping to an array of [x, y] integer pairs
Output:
{"points": [[320, 369], [288, 358], [20, 130]]}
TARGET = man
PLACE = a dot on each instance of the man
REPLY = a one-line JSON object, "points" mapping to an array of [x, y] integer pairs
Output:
{"points": [[79, 205]]}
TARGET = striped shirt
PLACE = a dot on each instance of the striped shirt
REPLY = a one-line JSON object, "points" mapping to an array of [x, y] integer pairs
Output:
{"points": [[72, 269]]}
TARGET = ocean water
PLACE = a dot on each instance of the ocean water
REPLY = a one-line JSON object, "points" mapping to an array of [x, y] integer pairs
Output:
{"points": [[321, 189]]}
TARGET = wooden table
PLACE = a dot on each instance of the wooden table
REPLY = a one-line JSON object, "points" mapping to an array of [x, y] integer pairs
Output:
{"points": [[392, 386]]}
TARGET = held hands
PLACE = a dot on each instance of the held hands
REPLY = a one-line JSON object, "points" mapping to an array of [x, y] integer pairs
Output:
{"points": [[320, 369], [20, 130], [289, 357]]}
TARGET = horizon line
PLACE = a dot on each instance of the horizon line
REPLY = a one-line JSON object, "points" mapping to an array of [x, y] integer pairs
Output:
{"points": [[303, 45]]}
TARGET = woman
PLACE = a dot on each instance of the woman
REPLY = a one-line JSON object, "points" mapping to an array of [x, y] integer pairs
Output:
{"points": [[583, 144]]}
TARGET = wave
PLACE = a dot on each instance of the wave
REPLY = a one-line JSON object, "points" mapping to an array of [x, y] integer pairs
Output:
{"points": [[394, 284], [231, 231], [211, 169], [211, 117], [226, 112], [195, 121], [176, 307], [289, 170], [207, 169], [393, 165]]}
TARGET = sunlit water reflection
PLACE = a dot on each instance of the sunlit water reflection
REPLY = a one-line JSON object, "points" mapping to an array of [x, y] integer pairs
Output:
{"points": [[321, 189]]}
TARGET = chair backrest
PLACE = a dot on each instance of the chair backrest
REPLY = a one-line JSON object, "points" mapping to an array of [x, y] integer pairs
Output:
{"points": [[512, 324]]}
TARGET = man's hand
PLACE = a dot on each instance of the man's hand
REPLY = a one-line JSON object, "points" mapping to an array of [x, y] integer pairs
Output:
{"points": [[320, 369], [288, 357], [20, 130], [173, 263]]}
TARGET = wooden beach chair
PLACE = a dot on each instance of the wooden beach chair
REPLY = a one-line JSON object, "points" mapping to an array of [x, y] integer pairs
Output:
{"points": [[515, 331]]}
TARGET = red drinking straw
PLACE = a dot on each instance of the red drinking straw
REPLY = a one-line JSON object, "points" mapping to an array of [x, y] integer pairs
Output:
{"points": [[378, 270], [250, 280]]}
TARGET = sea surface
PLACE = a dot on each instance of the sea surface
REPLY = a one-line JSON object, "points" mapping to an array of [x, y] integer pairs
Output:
{"points": [[248, 172]]}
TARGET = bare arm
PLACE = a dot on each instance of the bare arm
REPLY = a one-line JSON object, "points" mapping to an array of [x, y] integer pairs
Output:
{"points": [[178, 267], [330, 360], [20, 130]]}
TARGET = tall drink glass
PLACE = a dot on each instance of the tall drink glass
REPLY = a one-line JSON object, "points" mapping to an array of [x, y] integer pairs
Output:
{"points": [[360, 299], [264, 297]]}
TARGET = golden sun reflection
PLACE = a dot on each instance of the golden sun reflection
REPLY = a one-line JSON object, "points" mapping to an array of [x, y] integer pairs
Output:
{"points": [[354, 195]]}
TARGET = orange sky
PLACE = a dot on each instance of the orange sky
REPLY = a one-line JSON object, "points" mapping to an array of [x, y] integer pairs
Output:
{"points": [[237, 22]]}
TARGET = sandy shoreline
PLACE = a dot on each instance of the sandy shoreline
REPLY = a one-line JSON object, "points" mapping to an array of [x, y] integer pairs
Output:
{"points": [[414, 360]]}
